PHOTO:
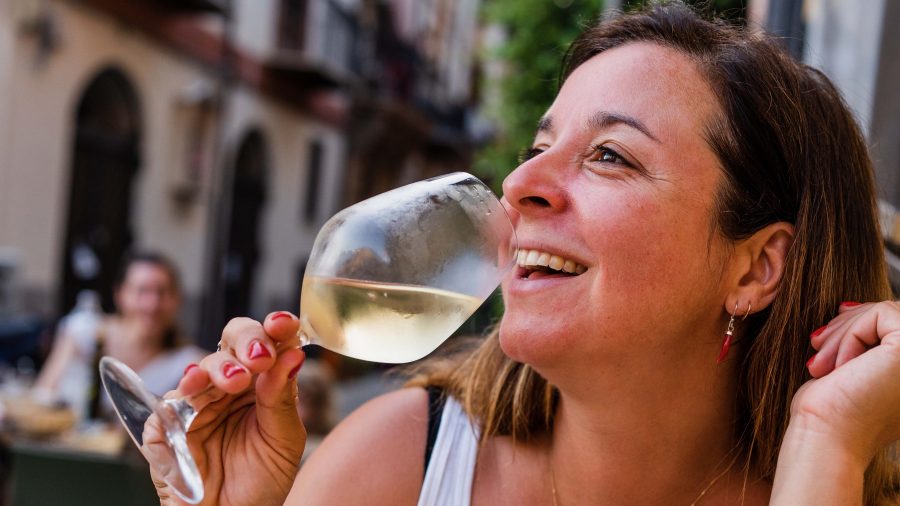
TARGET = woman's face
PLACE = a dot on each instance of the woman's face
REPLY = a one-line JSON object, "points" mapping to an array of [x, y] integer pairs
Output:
{"points": [[620, 184], [148, 298]]}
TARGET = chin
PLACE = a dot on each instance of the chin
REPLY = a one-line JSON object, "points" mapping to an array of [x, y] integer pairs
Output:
{"points": [[525, 343]]}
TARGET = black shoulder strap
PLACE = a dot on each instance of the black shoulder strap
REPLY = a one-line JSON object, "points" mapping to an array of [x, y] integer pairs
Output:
{"points": [[436, 401]]}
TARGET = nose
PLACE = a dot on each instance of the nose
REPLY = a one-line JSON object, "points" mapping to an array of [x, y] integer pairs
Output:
{"points": [[534, 188]]}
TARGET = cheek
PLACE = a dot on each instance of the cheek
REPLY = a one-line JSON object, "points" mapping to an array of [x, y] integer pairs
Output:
{"points": [[653, 268]]}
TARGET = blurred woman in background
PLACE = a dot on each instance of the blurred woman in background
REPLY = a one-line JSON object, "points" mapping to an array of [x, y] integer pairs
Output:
{"points": [[143, 333]]}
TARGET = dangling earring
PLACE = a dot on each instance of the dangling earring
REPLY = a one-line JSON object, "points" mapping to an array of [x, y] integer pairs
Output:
{"points": [[729, 332]]}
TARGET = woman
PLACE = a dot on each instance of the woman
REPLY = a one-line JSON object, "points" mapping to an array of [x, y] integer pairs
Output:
{"points": [[143, 334], [719, 201]]}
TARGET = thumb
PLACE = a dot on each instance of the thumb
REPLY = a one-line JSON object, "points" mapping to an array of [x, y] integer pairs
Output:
{"points": [[276, 401]]}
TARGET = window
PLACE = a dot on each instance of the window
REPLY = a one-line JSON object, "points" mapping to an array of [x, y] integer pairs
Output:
{"points": [[291, 25]]}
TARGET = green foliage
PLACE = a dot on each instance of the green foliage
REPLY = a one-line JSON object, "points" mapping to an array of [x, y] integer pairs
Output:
{"points": [[538, 33]]}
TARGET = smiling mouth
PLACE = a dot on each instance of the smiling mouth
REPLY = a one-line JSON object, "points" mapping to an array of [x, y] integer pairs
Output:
{"points": [[536, 264]]}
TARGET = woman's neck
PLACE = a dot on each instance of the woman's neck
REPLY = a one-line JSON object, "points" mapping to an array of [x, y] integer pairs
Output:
{"points": [[647, 434], [131, 343]]}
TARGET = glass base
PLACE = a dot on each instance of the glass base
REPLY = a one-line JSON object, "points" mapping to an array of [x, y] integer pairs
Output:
{"points": [[157, 426]]}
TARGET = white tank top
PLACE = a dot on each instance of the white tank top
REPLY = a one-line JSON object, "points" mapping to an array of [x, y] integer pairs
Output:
{"points": [[448, 480]]}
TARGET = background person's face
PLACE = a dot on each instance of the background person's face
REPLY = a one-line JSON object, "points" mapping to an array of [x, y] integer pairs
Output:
{"points": [[148, 298], [635, 208]]}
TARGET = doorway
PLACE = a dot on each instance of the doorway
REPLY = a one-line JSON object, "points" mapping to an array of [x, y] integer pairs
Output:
{"points": [[247, 201], [105, 159]]}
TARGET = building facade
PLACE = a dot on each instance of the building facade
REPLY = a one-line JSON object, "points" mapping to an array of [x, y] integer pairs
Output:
{"points": [[221, 133]]}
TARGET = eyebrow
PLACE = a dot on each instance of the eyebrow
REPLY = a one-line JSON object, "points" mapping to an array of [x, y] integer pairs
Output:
{"points": [[545, 124], [604, 119]]}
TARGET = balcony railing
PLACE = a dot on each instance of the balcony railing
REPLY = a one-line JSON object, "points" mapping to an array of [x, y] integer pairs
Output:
{"points": [[316, 43]]}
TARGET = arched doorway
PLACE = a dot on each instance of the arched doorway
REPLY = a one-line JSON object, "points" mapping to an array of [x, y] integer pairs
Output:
{"points": [[105, 159], [247, 200]]}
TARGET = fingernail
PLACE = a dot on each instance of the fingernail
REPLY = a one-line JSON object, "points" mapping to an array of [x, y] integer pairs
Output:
{"points": [[257, 350], [282, 314], [189, 367], [230, 369], [294, 371], [818, 331], [810, 361], [850, 304]]}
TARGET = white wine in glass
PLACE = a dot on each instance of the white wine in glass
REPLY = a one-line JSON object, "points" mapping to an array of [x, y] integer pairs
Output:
{"points": [[388, 280]]}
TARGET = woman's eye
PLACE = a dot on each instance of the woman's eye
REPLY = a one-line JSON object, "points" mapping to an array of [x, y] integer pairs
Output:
{"points": [[605, 154], [528, 153]]}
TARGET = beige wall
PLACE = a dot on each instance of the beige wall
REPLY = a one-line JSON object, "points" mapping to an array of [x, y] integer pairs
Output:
{"points": [[285, 237], [6, 61]]}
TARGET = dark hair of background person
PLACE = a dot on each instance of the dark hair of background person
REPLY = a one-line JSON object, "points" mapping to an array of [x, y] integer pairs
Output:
{"points": [[789, 150]]}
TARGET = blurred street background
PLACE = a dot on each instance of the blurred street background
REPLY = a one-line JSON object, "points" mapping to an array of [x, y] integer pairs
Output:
{"points": [[223, 133]]}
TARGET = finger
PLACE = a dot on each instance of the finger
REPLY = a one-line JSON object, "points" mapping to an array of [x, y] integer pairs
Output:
{"points": [[195, 379], [226, 373], [846, 311], [864, 330], [851, 347], [864, 323], [822, 362], [235, 328], [250, 345], [276, 398], [282, 327], [846, 306], [818, 336]]}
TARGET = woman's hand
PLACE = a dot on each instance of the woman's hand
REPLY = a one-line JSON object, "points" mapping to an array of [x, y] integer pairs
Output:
{"points": [[247, 438], [849, 410], [856, 390]]}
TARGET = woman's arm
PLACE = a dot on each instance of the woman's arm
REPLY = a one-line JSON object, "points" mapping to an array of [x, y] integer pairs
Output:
{"points": [[375, 456], [62, 352], [814, 469]]}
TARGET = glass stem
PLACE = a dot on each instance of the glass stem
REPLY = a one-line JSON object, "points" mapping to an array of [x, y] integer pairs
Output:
{"points": [[183, 410], [306, 334]]}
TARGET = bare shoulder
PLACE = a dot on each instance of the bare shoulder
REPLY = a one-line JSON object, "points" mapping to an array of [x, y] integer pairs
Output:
{"points": [[375, 456]]}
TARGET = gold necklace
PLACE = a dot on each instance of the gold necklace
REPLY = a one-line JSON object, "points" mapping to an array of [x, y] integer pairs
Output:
{"points": [[697, 500], [552, 480]]}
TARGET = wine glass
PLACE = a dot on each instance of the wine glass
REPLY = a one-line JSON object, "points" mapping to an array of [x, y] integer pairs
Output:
{"points": [[388, 280]]}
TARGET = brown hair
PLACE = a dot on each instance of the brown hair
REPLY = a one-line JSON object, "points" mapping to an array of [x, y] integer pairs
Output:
{"points": [[789, 150]]}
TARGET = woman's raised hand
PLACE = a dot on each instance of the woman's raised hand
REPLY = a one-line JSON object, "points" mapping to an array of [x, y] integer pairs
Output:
{"points": [[849, 410], [856, 390], [247, 438]]}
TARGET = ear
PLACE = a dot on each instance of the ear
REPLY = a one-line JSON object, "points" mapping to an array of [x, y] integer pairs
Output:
{"points": [[757, 267]]}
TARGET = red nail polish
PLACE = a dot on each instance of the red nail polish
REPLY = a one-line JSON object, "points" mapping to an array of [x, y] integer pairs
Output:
{"points": [[810, 361], [189, 367], [230, 369], [294, 371], [257, 350], [818, 331], [282, 314], [850, 304]]}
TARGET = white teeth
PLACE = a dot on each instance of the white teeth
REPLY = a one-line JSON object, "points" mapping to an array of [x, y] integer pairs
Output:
{"points": [[535, 258], [556, 263]]}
